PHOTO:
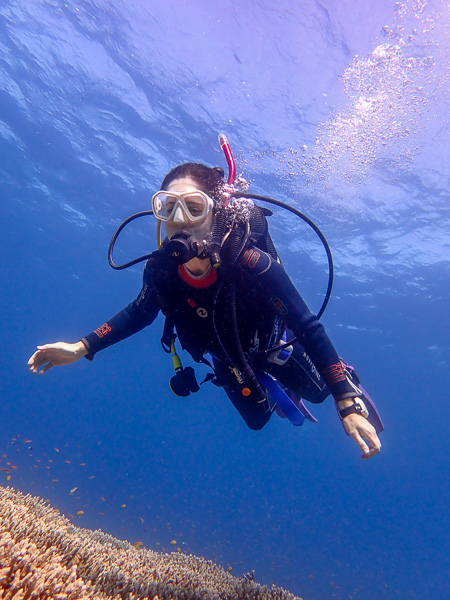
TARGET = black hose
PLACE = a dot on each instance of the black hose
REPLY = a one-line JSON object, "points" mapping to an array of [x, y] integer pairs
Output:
{"points": [[113, 241], [218, 233], [313, 226], [242, 362]]}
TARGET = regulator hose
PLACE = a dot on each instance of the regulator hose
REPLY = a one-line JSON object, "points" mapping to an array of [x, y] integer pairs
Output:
{"points": [[112, 243], [313, 226], [242, 363]]}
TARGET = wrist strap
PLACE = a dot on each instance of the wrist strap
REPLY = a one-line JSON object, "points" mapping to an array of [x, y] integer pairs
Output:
{"points": [[358, 407]]}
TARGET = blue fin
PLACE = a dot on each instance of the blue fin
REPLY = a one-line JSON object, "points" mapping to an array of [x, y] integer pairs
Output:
{"points": [[294, 410]]}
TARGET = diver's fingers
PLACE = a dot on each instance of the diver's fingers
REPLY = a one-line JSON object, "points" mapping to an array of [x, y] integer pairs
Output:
{"points": [[374, 444], [40, 358], [37, 361], [34, 366], [54, 346], [39, 354], [45, 368], [33, 358], [373, 439], [37, 365], [368, 432], [361, 443], [369, 454], [45, 365]]}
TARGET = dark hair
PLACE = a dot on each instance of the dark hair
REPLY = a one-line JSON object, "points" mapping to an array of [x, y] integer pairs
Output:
{"points": [[209, 179]]}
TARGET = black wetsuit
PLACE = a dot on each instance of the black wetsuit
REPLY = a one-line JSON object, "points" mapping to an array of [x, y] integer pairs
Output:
{"points": [[267, 303]]}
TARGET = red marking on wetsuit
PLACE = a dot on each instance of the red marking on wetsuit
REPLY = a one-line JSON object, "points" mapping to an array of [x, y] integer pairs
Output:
{"points": [[102, 330], [254, 259], [196, 282], [334, 373], [191, 303], [279, 307], [250, 258]]}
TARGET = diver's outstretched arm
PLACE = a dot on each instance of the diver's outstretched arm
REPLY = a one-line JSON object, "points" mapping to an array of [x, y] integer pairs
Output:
{"points": [[55, 355]]}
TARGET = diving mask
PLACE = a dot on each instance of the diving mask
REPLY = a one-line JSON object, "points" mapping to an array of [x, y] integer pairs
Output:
{"points": [[181, 207]]}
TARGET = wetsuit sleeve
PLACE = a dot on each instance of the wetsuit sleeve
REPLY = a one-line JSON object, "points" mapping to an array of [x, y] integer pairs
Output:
{"points": [[279, 290], [133, 318]]}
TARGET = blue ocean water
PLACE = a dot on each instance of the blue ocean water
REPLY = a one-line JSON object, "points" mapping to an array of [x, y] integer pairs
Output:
{"points": [[338, 108]]}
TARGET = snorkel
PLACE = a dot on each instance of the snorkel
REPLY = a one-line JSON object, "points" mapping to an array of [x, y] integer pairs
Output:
{"points": [[220, 218], [230, 162]]}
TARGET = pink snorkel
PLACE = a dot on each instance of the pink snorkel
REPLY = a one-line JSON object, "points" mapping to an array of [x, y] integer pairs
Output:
{"points": [[220, 219], [231, 167]]}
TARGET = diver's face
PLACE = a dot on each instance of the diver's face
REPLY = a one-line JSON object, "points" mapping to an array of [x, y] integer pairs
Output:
{"points": [[198, 230]]}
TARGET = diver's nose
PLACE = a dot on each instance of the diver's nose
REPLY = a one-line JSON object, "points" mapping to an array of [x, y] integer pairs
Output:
{"points": [[178, 217]]}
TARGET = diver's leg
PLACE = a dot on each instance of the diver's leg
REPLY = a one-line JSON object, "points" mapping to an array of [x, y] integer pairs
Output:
{"points": [[300, 376], [255, 414]]}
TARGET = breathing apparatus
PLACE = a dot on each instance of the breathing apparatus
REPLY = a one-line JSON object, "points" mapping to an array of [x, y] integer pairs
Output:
{"points": [[183, 246]]}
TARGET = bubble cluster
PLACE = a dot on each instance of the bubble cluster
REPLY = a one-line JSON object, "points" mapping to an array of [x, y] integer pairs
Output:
{"points": [[389, 94]]}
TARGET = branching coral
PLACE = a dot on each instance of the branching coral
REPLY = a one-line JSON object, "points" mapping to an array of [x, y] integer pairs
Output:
{"points": [[42, 555]]}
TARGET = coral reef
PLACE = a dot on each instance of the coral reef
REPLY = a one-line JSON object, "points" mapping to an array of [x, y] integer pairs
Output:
{"points": [[42, 555]]}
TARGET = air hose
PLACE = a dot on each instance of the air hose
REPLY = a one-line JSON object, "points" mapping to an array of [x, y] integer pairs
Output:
{"points": [[112, 243], [220, 227], [251, 386], [313, 226]]}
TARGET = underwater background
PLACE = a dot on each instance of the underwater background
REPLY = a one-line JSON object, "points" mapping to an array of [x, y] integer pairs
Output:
{"points": [[337, 107]]}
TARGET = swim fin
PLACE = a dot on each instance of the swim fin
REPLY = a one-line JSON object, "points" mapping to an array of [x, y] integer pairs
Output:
{"points": [[293, 408]]}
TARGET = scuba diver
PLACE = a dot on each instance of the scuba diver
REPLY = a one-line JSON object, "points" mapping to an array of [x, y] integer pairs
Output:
{"points": [[220, 283]]}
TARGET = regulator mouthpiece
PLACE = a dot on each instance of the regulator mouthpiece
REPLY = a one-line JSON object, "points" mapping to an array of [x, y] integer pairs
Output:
{"points": [[181, 248]]}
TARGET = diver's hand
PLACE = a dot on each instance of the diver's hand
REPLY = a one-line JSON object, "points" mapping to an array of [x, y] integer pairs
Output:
{"points": [[362, 431], [55, 355]]}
